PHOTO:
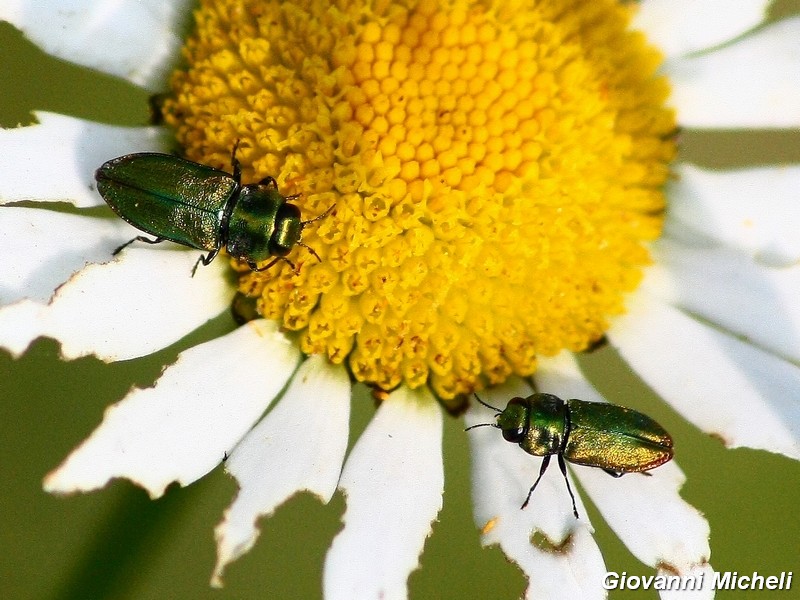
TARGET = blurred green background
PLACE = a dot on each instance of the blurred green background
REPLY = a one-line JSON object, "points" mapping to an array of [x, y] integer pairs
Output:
{"points": [[118, 544]]}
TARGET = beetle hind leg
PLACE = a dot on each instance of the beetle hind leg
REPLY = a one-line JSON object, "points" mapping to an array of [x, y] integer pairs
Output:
{"points": [[138, 238], [614, 473], [205, 259], [563, 466]]}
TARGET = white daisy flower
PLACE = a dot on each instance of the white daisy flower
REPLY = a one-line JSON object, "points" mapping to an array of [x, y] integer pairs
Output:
{"points": [[497, 172]]}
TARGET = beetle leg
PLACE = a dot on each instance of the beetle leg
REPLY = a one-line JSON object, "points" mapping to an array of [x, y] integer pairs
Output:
{"points": [[209, 257], [563, 466], [614, 473], [235, 165], [545, 464], [270, 181], [138, 238], [197, 264], [255, 267], [205, 259]]}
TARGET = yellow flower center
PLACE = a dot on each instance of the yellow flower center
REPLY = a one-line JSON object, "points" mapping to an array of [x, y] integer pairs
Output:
{"points": [[495, 168]]}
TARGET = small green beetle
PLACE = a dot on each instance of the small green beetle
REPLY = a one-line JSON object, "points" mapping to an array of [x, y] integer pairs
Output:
{"points": [[594, 434], [202, 207]]}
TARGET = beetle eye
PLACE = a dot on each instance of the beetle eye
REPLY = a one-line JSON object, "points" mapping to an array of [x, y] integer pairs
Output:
{"points": [[514, 435]]}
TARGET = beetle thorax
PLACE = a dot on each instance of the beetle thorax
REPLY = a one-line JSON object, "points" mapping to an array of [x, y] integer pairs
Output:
{"points": [[547, 429], [253, 222]]}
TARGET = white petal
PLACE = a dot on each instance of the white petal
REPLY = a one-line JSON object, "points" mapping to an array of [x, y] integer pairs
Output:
{"points": [[393, 480], [733, 291], [299, 445], [138, 40], [56, 159], [142, 301], [565, 561], [43, 248], [647, 513], [682, 26], [757, 210], [723, 385], [702, 584], [181, 428], [649, 516], [754, 82]]}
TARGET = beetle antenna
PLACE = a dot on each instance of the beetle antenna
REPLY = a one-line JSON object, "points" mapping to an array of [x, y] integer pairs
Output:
{"points": [[310, 249], [495, 409], [304, 223], [318, 217], [482, 425], [291, 264]]}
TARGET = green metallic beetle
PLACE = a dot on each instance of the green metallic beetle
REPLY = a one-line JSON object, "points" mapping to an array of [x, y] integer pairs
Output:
{"points": [[202, 207], [594, 434]]}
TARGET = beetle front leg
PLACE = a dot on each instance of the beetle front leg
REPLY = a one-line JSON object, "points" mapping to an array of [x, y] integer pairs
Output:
{"points": [[563, 467], [138, 238], [255, 267], [235, 165], [270, 181], [545, 464]]}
